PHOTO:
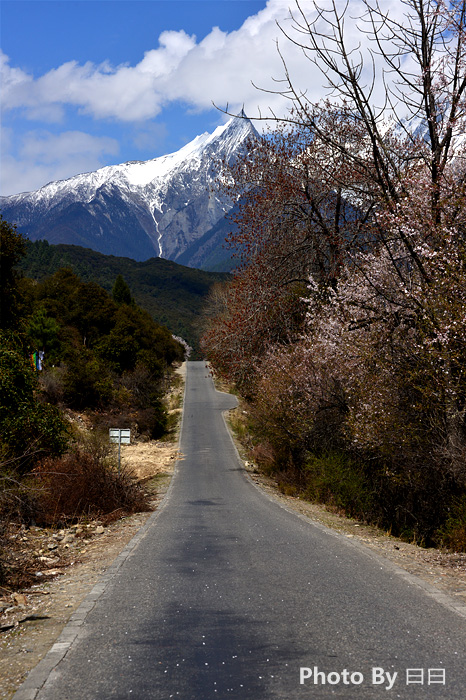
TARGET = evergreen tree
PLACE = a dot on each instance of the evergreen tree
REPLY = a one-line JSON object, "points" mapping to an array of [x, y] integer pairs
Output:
{"points": [[12, 249], [29, 428], [121, 293]]}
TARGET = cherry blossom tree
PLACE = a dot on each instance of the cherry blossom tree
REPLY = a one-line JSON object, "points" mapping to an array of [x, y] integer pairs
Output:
{"points": [[365, 199], [419, 55]]}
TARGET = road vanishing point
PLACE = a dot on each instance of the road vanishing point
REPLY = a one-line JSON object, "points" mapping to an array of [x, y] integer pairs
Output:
{"points": [[225, 594]]}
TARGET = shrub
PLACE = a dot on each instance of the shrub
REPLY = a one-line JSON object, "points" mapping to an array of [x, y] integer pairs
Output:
{"points": [[28, 428], [335, 479], [153, 421], [142, 385], [453, 534], [17, 497], [17, 505], [87, 382], [51, 384], [84, 484], [297, 408]]}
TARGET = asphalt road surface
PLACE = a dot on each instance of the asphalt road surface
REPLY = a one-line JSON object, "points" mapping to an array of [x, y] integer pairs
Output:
{"points": [[229, 595]]}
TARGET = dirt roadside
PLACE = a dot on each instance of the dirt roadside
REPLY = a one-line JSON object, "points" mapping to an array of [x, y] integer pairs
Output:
{"points": [[445, 571], [32, 620], [72, 562], [35, 617]]}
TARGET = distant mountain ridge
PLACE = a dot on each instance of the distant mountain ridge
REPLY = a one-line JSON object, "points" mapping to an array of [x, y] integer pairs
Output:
{"points": [[165, 207], [173, 294]]}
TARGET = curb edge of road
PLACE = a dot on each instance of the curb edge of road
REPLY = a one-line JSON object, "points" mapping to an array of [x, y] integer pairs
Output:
{"points": [[46, 667], [436, 594]]}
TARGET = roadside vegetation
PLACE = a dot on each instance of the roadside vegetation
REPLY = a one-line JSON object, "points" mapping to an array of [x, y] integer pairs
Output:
{"points": [[74, 361], [172, 294], [345, 329]]}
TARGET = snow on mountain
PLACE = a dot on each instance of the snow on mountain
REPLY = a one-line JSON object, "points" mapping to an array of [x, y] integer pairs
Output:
{"points": [[139, 209]]}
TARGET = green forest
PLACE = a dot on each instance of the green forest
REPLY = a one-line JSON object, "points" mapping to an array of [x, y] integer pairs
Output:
{"points": [[68, 346], [173, 294]]}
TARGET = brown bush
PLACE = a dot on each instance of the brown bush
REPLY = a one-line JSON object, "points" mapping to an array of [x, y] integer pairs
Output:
{"points": [[17, 505], [453, 533], [82, 484], [264, 456], [51, 384], [17, 498]]}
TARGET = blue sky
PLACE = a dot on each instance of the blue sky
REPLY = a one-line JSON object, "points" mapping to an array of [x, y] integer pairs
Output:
{"points": [[93, 83]]}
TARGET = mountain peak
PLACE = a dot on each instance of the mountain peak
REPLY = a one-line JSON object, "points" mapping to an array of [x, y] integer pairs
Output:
{"points": [[165, 206], [241, 123], [232, 136]]}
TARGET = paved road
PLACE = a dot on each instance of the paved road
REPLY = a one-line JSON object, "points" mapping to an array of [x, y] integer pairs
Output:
{"points": [[228, 595]]}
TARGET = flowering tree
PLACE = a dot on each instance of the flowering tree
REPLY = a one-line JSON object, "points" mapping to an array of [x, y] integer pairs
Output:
{"points": [[251, 317], [292, 220], [420, 58], [368, 200], [399, 348], [292, 217]]}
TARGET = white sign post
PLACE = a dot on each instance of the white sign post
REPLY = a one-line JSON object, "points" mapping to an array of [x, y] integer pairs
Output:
{"points": [[123, 437]]}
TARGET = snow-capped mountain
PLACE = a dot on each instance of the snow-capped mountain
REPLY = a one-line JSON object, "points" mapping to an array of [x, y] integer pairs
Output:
{"points": [[162, 207]]}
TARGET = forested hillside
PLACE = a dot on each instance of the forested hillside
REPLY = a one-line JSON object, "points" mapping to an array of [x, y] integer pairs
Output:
{"points": [[174, 295], [69, 346], [345, 331]]}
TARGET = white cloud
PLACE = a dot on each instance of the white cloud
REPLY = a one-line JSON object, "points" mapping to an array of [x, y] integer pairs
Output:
{"points": [[221, 68], [123, 92], [43, 157]]}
